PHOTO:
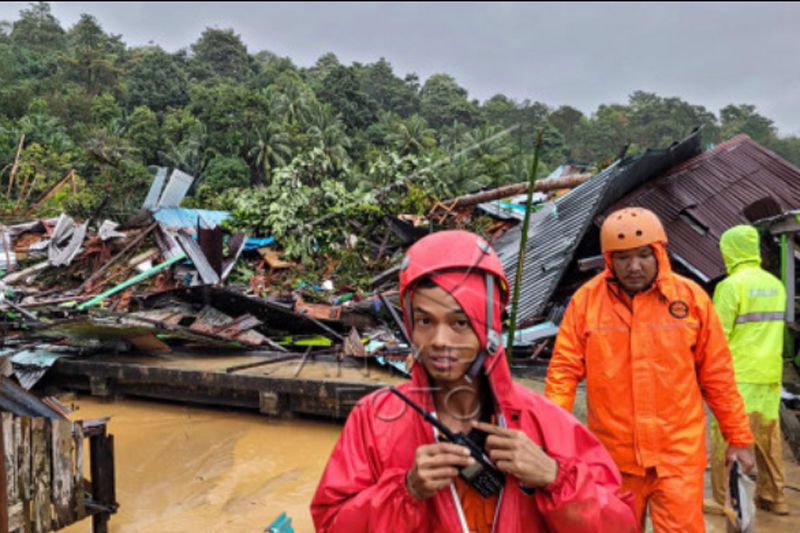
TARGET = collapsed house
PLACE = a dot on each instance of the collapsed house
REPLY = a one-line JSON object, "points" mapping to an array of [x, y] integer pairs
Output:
{"points": [[103, 296]]}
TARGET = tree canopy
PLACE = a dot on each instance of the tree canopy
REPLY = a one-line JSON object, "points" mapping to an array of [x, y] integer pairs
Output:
{"points": [[245, 121]]}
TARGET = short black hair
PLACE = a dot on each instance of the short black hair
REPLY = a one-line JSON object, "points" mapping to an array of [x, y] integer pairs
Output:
{"points": [[425, 283]]}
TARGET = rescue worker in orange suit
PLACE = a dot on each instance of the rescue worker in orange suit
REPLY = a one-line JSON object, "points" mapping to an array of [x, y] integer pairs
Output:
{"points": [[391, 471], [751, 304], [651, 347]]}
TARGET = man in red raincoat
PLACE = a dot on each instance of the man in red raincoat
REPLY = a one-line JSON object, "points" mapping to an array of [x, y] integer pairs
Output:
{"points": [[391, 471]]}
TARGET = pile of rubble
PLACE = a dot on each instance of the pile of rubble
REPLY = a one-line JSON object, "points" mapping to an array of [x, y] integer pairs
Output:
{"points": [[164, 280]]}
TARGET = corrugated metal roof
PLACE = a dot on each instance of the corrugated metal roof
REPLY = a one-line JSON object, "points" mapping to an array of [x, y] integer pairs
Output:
{"points": [[155, 188], [556, 230], [701, 198], [177, 187], [192, 249], [17, 400], [68, 236]]}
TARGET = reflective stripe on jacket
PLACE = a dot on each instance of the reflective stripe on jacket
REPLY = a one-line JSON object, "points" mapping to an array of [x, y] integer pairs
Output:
{"points": [[648, 362], [751, 304]]}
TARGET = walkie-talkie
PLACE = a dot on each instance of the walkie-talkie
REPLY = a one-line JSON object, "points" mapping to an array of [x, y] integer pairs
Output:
{"points": [[483, 475]]}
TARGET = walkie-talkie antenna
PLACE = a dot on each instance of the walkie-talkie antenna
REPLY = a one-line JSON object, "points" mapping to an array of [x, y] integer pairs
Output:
{"points": [[425, 414]]}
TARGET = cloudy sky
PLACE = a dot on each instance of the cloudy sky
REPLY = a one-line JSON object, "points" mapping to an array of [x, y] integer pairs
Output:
{"points": [[579, 54]]}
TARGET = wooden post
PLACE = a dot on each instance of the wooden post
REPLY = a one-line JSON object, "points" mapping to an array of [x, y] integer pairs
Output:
{"points": [[77, 484], [789, 281], [101, 450], [3, 493]]}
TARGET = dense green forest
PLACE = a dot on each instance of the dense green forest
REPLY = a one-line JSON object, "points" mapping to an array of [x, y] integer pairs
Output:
{"points": [[279, 144]]}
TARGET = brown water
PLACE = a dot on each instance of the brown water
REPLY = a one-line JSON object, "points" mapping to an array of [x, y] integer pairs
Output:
{"points": [[188, 469]]}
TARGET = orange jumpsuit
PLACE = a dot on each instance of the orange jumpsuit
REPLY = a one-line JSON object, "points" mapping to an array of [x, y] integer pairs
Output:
{"points": [[648, 362]]}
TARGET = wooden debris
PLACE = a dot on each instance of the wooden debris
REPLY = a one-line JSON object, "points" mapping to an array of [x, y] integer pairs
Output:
{"points": [[273, 259], [353, 345]]}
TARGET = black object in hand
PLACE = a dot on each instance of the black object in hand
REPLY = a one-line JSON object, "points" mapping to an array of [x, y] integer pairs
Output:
{"points": [[482, 475]]}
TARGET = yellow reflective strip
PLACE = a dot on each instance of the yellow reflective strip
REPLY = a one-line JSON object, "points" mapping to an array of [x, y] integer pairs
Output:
{"points": [[759, 317]]}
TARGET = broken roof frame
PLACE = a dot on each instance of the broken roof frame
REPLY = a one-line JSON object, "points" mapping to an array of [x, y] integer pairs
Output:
{"points": [[702, 197], [558, 228]]}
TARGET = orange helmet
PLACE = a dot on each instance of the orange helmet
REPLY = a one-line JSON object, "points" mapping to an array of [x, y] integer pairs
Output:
{"points": [[629, 228]]}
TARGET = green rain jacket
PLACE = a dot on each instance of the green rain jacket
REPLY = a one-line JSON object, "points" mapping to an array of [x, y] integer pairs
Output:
{"points": [[751, 304]]}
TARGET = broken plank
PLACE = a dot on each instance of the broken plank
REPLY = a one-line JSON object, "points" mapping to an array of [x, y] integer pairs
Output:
{"points": [[79, 502], [353, 345], [303, 362], [16, 276], [273, 259], [236, 326], [62, 479], [134, 280], [245, 366], [149, 343], [7, 477], [4, 503], [40, 462], [9, 458], [23, 438]]}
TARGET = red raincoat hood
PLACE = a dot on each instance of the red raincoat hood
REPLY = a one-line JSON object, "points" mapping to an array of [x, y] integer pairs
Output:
{"points": [[469, 290]]}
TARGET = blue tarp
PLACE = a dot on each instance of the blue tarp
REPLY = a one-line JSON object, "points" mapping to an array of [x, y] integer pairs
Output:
{"points": [[181, 217], [254, 243]]}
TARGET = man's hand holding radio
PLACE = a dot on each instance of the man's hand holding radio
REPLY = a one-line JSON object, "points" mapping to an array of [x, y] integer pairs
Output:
{"points": [[514, 453], [435, 466]]}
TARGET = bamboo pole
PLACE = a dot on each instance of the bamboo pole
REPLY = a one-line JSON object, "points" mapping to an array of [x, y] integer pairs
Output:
{"points": [[15, 166], [522, 243], [53, 188]]}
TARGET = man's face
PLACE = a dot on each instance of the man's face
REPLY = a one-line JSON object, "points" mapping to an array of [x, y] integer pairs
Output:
{"points": [[441, 332], [636, 269]]}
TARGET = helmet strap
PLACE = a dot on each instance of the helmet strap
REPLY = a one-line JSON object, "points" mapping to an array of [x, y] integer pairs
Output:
{"points": [[493, 338], [476, 367]]}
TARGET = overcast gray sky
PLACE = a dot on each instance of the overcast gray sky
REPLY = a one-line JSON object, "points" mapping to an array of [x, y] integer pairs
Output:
{"points": [[579, 54]]}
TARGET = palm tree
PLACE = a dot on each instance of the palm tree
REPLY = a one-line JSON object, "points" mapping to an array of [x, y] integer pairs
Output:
{"points": [[490, 151], [412, 136], [190, 155], [326, 131], [271, 149], [289, 97], [451, 137]]}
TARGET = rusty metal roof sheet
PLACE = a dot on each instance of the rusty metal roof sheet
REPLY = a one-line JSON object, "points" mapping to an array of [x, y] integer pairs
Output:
{"points": [[701, 198], [557, 230]]}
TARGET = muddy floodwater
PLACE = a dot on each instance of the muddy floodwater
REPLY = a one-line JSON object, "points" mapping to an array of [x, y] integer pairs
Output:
{"points": [[189, 469]]}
